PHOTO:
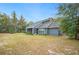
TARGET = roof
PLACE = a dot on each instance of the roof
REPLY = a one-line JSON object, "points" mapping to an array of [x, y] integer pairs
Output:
{"points": [[47, 23]]}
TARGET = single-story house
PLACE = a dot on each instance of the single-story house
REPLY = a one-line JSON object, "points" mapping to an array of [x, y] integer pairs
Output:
{"points": [[47, 27]]}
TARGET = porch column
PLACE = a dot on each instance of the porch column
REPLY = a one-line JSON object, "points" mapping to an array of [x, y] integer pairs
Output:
{"points": [[33, 30]]}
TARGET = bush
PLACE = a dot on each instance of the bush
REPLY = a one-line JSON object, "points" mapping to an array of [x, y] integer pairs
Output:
{"points": [[11, 29], [29, 33]]}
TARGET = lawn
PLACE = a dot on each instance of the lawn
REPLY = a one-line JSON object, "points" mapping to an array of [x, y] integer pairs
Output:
{"points": [[24, 44]]}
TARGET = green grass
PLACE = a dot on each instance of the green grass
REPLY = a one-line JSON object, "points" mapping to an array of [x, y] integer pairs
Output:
{"points": [[24, 44]]}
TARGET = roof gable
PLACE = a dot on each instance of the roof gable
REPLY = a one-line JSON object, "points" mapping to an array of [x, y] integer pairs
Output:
{"points": [[47, 23]]}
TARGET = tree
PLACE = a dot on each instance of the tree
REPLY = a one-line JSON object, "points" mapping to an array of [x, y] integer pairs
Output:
{"points": [[12, 25], [29, 23], [1, 23], [77, 29], [21, 24], [14, 21], [69, 13], [4, 21]]}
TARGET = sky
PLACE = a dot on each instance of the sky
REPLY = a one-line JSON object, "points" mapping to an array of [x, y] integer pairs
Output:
{"points": [[31, 11]]}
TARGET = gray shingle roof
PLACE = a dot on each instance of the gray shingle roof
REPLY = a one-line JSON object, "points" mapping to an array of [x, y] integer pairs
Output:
{"points": [[47, 23]]}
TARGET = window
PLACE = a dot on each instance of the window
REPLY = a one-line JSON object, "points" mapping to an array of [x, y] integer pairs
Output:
{"points": [[41, 31]]}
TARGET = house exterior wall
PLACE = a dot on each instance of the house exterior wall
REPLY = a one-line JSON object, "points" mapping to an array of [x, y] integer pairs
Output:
{"points": [[34, 31], [42, 31], [29, 30], [53, 31], [49, 31], [46, 31]]}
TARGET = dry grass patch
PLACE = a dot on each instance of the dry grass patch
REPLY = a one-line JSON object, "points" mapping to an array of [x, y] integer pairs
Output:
{"points": [[21, 43]]}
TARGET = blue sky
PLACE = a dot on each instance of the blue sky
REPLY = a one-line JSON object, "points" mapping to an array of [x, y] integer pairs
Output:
{"points": [[31, 11]]}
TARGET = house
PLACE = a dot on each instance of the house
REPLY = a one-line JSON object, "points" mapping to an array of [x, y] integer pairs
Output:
{"points": [[47, 27]]}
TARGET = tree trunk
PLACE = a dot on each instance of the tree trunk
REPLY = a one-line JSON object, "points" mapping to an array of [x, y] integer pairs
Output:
{"points": [[77, 33], [77, 29], [77, 37]]}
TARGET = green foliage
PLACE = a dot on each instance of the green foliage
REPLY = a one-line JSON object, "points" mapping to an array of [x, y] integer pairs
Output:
{"points": [[14, 21], [10, 29], [21, 24], [12, 25], [4, 22], [69, 13], [29, 23]]}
